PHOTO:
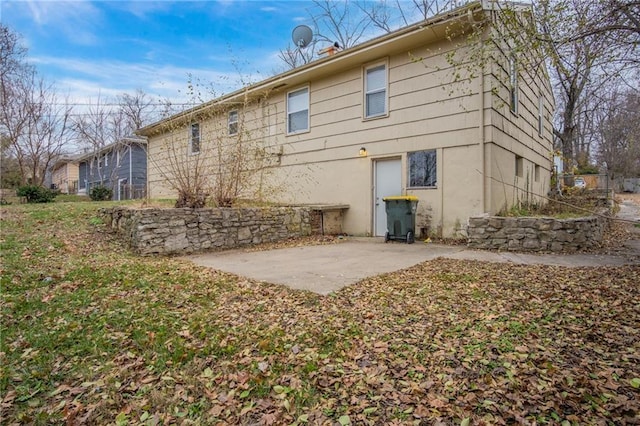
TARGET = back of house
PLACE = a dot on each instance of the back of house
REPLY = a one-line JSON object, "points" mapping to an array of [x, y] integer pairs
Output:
{"points": [[444, 110]]}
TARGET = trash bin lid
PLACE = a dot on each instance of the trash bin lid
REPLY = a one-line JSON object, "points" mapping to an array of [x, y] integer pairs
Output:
{"points": [[401, 197]]}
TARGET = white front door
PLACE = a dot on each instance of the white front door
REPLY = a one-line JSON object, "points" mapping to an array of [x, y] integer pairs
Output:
{"points": [[388, 182]]}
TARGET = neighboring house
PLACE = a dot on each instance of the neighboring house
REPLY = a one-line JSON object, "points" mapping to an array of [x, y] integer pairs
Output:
{"points": [[64, 174], [391, 116], [120, 166]]}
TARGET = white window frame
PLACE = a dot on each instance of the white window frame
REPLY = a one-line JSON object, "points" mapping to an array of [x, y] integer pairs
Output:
{"points": [[232, 132], [289, 112], [192, 138], [366, 91]]}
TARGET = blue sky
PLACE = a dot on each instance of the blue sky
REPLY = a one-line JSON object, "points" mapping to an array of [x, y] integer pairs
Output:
{"points": [[103, 48]]}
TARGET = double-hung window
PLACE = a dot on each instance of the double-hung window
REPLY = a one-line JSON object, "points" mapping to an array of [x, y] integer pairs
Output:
{"points": [[423, 172], [375, 89], [233, 123], [541, 115], [194, 140], [298, 111]]}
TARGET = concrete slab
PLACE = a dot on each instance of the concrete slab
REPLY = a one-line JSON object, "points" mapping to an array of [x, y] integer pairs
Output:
{"points": [[323, 268], [327, 268]]}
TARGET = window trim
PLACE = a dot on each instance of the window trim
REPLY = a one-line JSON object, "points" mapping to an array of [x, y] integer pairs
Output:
{"points": [[365, 92], [435, 185], [513, 84], [236, 122], [191, 139], [288, 113]]}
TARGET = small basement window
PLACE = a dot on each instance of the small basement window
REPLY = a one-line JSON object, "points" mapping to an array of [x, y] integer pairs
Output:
{"points": [[519, 166], [423, 172]]}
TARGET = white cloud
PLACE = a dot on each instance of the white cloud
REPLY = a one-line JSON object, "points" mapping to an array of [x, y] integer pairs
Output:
{"points": [[143, 9], [88, 79], [77, 20]]}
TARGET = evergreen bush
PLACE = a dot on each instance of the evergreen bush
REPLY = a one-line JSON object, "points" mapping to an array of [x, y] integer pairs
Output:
{"points": [[100, 193], [36, 194]]}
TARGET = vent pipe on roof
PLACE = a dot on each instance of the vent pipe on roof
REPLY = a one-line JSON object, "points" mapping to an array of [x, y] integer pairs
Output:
{"points": [[330, 50]]}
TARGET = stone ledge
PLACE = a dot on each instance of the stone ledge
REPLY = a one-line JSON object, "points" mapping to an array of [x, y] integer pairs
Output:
{"points": [[151, 231], [534, 234]]}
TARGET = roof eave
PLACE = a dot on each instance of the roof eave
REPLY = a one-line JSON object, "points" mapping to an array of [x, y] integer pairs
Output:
{"points": [[362, 53]]}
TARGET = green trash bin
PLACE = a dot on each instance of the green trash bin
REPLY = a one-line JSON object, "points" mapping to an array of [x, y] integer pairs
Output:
{"points": [[401, 218]]}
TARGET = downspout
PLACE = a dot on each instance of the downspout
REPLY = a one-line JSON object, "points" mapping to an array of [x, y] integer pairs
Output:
{"points": [[441, 231], [482, 136], [481, 123]]}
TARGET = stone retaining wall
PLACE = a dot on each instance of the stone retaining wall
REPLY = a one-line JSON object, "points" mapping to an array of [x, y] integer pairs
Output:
{"points": [[175, 231], [536, 233]]}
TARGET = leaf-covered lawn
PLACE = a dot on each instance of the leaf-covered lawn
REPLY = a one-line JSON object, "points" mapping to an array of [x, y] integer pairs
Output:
{"points": [[93, 334]]}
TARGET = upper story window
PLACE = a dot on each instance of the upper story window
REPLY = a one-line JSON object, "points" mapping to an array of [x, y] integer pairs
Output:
{"points": [[233, 123], [513, 84], [375, 89], [541, 115], [194, 140], [298, 111]]}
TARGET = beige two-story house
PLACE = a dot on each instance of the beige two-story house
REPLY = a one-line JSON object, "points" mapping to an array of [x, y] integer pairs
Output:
{"points": [[444, 110], [64, 174]]}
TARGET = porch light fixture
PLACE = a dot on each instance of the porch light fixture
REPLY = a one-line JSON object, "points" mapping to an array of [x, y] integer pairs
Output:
{"points": [[363, 152]]}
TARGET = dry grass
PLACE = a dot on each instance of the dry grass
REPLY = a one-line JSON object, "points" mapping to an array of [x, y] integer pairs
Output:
{"points": [[92, 334]]}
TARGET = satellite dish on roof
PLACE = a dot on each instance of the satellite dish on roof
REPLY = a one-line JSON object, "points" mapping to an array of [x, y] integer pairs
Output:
{"points": [[302, 36]]}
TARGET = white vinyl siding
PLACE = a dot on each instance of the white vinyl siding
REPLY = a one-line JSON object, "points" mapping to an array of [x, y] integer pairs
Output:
{"points": [[376, 91], [298, 111]]}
